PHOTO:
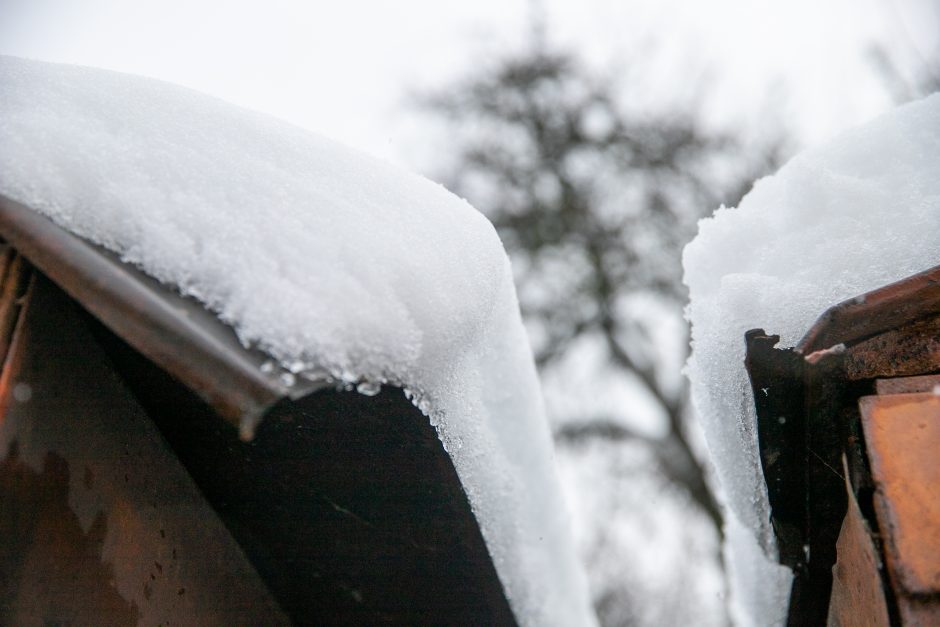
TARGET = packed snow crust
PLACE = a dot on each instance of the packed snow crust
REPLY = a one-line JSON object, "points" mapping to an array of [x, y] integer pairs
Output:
{"points": [[835, 222], [334, 263]]}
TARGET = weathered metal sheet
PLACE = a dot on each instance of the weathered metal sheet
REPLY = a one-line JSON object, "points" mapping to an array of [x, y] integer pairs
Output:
{"points": [[903, 436], [808, 417], [175, 332], [348, 505], [858, 596], [777, 385], [827, 421], [911, 349], [99, 522], [800, 427]]}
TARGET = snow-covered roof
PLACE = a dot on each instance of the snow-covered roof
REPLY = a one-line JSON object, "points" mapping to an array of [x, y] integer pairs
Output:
{"points": [[335, 264], [835, 222]]}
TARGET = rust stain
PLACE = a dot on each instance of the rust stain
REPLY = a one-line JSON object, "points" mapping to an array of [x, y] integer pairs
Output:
{"points": [[903, 436], [911, 349], [78, 420], [14, 276], [51, 572]]}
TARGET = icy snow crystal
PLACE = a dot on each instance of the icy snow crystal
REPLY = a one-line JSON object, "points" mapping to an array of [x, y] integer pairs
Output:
{"points": [[835, 222], [325, 258]]}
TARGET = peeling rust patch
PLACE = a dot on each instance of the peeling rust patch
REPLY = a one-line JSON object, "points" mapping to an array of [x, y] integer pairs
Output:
{"points": [[51, 572], [911, 349], [81, 418]]}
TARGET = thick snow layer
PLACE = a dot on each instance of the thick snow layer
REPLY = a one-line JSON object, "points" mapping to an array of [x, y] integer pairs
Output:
{"points": [[835, 222], [330, 261]]}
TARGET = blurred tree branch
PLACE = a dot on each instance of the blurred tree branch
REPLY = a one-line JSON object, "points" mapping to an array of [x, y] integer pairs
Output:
{"points": [[923, 80], [594, 206]]}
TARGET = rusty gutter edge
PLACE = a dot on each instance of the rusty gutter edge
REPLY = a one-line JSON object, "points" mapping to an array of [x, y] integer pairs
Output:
{"points": [[176, 333], [876, 311]]}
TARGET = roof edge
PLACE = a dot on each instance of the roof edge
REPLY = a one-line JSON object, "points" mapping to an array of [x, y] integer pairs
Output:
{"points": [[874, 312], [177, 333]]}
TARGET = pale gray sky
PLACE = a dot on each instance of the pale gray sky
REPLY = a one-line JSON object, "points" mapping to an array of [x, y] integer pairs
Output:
{"points": [[342, 68]]}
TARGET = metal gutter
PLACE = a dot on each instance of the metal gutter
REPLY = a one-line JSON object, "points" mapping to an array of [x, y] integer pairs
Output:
{"points": [[175, 332]]}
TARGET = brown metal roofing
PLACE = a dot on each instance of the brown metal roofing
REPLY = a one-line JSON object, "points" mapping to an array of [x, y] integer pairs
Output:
{"points": [[347, 506], [806, 400], [177, 333], [875, 312], [903, 436]]}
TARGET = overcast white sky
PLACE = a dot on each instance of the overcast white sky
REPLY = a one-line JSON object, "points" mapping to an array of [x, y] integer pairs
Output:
{"points": [[343, 68]]}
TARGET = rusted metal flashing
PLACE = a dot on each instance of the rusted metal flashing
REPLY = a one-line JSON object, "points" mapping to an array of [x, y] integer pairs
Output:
{"points": [[875, 312], [808, 417], [175, 332], [910, 349]]}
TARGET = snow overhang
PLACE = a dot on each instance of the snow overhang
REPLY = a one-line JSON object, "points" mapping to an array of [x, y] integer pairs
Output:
{"points": [[175, 332], [344, 520], [337, 266]]}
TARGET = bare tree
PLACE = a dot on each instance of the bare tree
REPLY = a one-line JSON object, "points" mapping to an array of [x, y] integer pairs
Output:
{"points": [[594, 206], [908, 66], [921, 79]]}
